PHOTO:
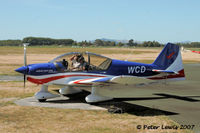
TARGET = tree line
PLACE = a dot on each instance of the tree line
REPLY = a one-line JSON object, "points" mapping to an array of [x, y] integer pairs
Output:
{"points": [[10, 42], [190, 45], [40, 41]]}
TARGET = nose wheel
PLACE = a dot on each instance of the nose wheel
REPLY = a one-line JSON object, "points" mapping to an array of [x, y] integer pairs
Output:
{"points": [[44, 94], [42, 100]]}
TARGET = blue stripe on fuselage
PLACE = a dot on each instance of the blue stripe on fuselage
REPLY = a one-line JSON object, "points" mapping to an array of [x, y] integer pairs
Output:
{"points": [[41, 69], [119, 67]]}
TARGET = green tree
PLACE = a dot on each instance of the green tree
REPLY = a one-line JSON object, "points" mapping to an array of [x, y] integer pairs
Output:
{"points": [[98, 42]]}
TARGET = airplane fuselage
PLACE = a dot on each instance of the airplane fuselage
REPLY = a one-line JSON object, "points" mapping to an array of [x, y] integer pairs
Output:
{"points": [[44, 73]]}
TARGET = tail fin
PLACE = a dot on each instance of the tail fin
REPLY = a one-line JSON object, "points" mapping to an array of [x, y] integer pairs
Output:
{"points": [[170, 60]]}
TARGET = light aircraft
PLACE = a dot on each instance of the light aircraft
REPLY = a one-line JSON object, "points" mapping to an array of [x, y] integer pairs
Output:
{"points": [[101, 71]]}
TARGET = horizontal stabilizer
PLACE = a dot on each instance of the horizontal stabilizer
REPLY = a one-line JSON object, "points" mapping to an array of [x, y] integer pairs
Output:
{"points": [[165, 71]]}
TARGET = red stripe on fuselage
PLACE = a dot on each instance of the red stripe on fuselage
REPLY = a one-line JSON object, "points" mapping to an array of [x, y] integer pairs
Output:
{"points": [[78, 82], [180, 74], [46, 80]]}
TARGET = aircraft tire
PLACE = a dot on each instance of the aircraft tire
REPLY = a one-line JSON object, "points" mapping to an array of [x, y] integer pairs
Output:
{"points": [[42, 100], [94, 103]]}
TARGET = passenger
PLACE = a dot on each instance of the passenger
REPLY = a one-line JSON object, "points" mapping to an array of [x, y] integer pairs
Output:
{"points": [[78, 63], [75, 63]]}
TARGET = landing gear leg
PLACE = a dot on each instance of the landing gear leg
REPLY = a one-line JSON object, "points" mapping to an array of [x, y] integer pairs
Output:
{"points": [[69, 90], [44, 94], [95, 97]]}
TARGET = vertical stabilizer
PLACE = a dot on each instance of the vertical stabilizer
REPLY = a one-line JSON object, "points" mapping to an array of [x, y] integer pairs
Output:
{"points": [[170, 60]]}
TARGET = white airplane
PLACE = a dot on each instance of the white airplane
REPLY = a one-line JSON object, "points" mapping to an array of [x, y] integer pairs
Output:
{"points": [[73, 71]]}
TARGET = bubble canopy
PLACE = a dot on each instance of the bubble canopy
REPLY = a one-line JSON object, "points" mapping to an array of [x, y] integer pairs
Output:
{"points": [[94, 61]]}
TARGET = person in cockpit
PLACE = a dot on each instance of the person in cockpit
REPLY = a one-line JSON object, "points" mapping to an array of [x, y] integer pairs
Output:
{"points": [[65, 64], [75, 62], [83, 64], [78, 62]]}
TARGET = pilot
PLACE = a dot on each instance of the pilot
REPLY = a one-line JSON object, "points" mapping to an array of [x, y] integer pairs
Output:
{"points": [[65, 63], [78, 62]]}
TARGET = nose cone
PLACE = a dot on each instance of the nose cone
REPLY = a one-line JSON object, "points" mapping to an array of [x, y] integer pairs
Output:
{"points": [[23, 70]]}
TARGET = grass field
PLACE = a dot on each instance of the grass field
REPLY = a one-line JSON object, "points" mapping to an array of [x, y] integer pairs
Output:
{"points": [[35, 119], [61, 50], [14, 118], [195, 49]]}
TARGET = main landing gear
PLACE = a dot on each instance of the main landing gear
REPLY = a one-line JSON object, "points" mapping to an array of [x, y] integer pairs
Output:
{"points": [[44, 94], [68, 90], [95, 97]]}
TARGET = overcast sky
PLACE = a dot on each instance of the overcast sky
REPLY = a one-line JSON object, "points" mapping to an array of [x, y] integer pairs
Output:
{"points": [[142, 20]]}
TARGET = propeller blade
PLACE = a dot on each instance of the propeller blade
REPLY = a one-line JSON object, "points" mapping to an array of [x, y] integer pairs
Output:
{"points": [[25, 61], [24, 80]]}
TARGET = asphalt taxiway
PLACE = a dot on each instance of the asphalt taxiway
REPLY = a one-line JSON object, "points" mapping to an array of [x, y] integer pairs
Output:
{"points": [[182, 98]]}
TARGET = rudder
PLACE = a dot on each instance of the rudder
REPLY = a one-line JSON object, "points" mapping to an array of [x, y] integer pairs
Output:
{"points": [[170, 59]]}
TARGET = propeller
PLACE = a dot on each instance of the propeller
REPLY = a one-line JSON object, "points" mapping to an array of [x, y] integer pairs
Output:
{"points": [[25, 63]]}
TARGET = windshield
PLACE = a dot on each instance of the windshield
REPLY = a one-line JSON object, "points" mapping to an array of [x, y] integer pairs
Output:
{"points": [[76, 61]]}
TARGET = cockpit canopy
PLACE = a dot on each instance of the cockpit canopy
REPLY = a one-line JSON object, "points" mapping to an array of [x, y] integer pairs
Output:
{"points": [[90, 61]]}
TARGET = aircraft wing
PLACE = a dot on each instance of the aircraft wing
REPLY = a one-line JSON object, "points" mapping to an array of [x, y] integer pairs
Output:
{"points": [[90, 81], [130, 80], [111, 80]]}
